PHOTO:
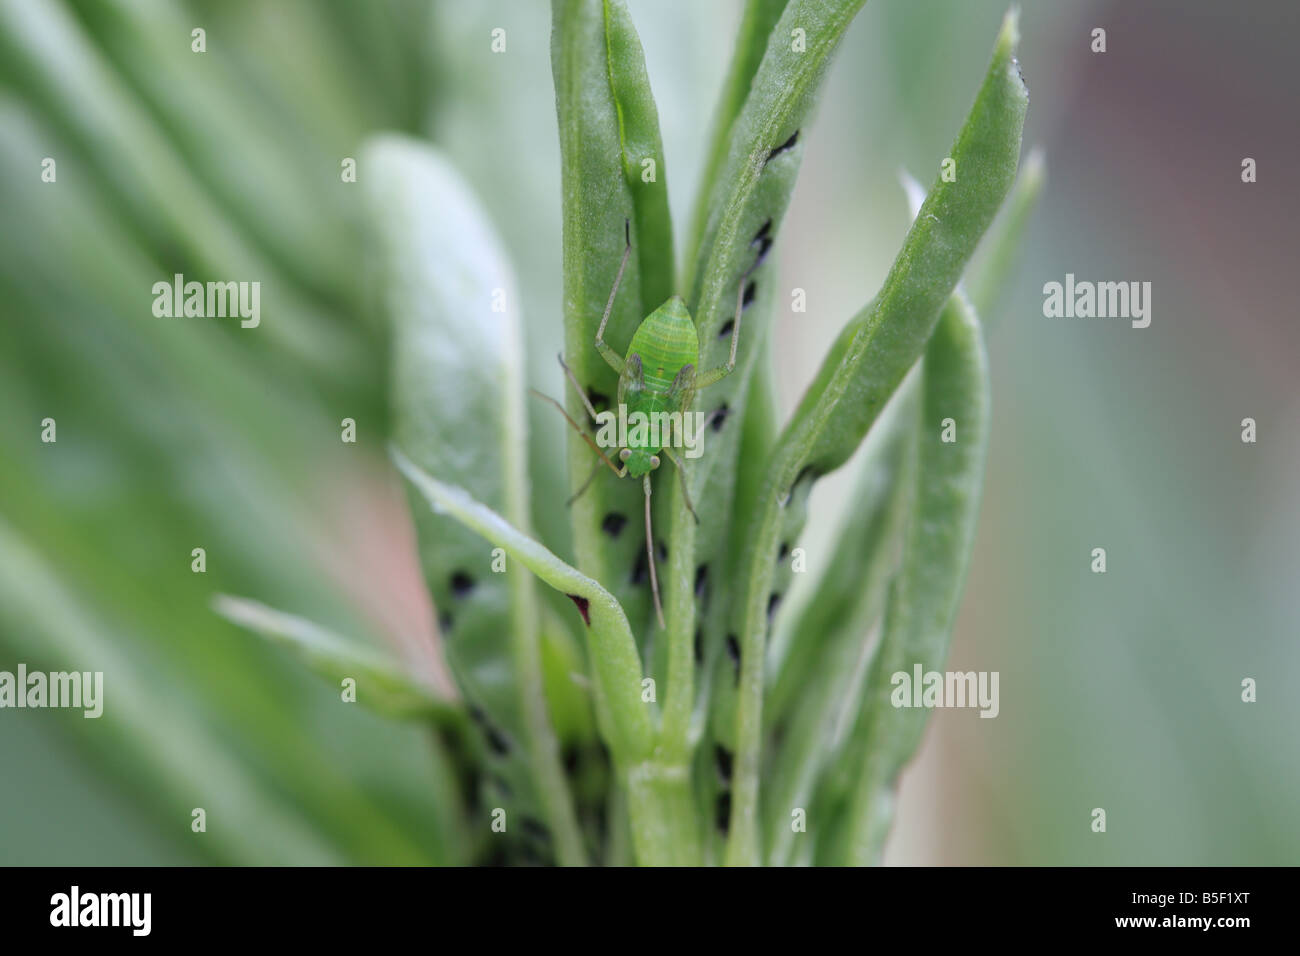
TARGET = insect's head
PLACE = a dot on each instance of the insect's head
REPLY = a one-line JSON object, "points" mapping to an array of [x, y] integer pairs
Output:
{"points": [[639, 461]]}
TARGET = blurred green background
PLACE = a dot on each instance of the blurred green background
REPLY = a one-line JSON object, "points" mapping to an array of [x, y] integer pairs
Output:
{"points": [[1119, 691]]}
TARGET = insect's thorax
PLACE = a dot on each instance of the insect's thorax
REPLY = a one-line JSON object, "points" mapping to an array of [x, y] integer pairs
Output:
{"points": [[665, 340]]}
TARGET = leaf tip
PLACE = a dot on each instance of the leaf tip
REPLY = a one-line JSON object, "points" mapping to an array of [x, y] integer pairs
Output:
{"points": [[1035, 168], [1008, 47], [1009, 35]]}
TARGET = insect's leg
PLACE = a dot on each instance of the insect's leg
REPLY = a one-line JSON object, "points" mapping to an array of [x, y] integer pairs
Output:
{"points": [[681, 473], [713, 375], [595, 470], [585, 437], [650, 551], [613, 358], [573, 380]]}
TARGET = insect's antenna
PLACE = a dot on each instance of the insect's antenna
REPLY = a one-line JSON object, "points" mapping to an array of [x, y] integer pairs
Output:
{"points": [[609, 306], [578, 428], [740, 304], [573, 380], [650, 551]]}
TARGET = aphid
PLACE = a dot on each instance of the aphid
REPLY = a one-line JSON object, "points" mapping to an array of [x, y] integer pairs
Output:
{"points": [[658, 375]]}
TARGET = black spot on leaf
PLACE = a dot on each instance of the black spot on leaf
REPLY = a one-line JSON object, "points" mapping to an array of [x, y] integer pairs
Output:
{"points": [[722, 811], [497, 741], [787, 145], [720, 416], [535, 828], [613, 524], [461, 584], [701, 581], [733, 651], [785, 549], [809, 474], [722, 757], [569, 756], [773, 602], [751, 290], [727, 327], [583, 607]]}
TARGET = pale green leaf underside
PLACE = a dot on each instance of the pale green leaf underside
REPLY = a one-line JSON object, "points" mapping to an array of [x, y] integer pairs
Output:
{"points": [[382, 684]]}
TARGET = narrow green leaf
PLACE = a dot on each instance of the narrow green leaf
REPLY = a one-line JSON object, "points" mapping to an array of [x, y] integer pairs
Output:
{"points": [[43, 623], [607, 124], [923, 600], [1002, 245], [382, 684], [59, 67], [758, 433], [820, 671], [853, 573], [662, 822], [863, 369], [756, 25], [616, 667], [643, 155], [221, 129], [457, 394], [749, 193]]}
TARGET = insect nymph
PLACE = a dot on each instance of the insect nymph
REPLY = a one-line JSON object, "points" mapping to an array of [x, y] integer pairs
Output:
{"points": [[657, 379]]}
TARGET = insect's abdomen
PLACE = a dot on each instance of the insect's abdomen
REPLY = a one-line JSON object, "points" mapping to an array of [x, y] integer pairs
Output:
{"points": [[665, 340]]}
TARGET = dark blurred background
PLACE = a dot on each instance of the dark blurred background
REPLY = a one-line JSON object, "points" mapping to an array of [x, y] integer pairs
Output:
{"points": [[1120, 691]]}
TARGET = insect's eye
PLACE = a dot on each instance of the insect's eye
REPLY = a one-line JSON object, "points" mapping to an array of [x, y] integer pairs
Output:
{"points": [[654, 461], [625, 454]]}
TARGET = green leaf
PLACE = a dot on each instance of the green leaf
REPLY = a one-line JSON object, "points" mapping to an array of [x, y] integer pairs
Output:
{"points": [[817, 681], [55, 62], [758, 150], [232, 144], [607, 124], [186, 764], [457, 395], [865, 365], [821, 669], [849, 577], [756, 25], [757, 436], [659, 804], [616, 668], [924, 597], [382, 684], [643, 155], [748, 195], [1002, 245]]}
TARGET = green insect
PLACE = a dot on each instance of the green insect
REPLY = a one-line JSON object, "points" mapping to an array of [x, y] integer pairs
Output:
{"points": [[658, 376]]}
